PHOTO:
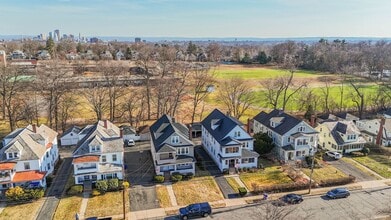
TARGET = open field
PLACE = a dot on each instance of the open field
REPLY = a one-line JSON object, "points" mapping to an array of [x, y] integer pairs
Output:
{"points": [[198, 189], [107, 204], [67, 208], [381, 164], [26, 211], [324, 173]]}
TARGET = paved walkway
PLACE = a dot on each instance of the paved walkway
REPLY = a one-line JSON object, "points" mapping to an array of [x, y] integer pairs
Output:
{"points": [[2, 206], [83, 206], [239, 181], [172, 195]]}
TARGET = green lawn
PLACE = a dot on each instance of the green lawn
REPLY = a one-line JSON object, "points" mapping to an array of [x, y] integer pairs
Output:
{"points": [[269, 176], [381, 164], [324, 173], [248, 72], [360, 167]]}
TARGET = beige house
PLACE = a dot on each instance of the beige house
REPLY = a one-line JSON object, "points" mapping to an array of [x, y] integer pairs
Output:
{"points": [[340, 136]]}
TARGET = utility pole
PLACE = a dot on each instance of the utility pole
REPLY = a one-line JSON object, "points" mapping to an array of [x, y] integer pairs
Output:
{"points": [[123, 187], [312, 171]]}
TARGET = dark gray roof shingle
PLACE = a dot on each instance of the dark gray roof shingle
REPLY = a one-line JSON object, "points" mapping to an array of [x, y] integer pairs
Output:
{"points": [[286, 125]]}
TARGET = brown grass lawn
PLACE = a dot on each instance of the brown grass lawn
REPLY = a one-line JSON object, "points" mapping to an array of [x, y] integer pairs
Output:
{"points": [[359, 166], [26, 211], [67, 208], [162, 195], [233, 183], [324, 173], [107, 204], [270, 175], [199, 189]]}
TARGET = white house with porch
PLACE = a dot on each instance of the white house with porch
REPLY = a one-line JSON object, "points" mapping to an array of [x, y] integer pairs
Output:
{"points": [[294, 139], [28, 155], [226, 141], [99, 153], [171, 149]]}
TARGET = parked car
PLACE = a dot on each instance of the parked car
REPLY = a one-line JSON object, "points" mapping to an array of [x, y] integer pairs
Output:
{"points": [[292, 198], [130, 143], [195, 210], [334, 155], [338, 193]]}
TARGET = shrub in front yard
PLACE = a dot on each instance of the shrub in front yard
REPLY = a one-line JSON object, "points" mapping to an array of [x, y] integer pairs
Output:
{"points": [[95, 192], [158, 178], [18, 194], [75, 190], [242, 191], [102, 186], [49, 180], [176, 177], [337, 181], [225, 171], [189, 176], [124, 184], [34, 193], [365, 151], [112, 184]]}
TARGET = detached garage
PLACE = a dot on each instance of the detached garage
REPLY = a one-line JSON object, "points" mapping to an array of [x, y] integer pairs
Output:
{"points": [[70, 136]]}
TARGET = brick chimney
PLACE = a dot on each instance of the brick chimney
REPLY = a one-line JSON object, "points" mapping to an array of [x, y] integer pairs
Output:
{"points": [[190, 132], [121, 133], [34, 128], [312, 120], [105, 123], [380, 133], [248, 125]]}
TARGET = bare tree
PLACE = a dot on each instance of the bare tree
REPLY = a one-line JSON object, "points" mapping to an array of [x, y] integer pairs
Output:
{"points": [[358, 98], [274, 211], [199, 80], [97, 98], [11, 81], [236, 96], [133, 107], [68, 104]]}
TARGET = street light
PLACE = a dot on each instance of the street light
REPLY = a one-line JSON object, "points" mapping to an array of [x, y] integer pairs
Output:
{"points": [[312, 170]]}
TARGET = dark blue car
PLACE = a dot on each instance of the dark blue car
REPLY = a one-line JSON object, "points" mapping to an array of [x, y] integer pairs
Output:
{"points": [[195, 210], [292, 198], [338, 193]]}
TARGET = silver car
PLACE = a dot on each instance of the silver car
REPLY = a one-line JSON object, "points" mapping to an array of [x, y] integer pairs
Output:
{"points": [[334, 155]]}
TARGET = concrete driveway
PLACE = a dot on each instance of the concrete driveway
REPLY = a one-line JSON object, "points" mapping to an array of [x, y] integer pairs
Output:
{"points": [[140, 172], [349, 169]]}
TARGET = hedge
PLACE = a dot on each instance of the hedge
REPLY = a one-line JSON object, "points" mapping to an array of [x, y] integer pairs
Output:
{"points": [[242, 191], [337, 181], [19, 194], [286, 187], [176, 177], [75, 190]]}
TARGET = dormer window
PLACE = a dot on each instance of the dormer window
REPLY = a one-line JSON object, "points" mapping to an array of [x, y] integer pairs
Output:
{"points": [[301, 129], [95, 148], [272, 124], [237, 134], [175, 139]]}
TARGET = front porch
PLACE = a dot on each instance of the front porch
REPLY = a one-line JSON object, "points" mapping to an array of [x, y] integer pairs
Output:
{"points": [[289, 153]]}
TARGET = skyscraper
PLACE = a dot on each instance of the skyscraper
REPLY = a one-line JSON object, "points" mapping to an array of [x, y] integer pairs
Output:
{"points": [[57, 35]]}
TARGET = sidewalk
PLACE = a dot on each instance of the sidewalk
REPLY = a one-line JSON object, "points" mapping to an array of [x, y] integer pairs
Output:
{"points": [[161, 212]]}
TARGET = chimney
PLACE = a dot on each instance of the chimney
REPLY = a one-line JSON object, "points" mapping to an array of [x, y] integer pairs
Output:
{"points": [[312, 120], [380, 133], [105, 123], [34, 128], [173, 120], [121, 133], [190, 132], [248, 125]]}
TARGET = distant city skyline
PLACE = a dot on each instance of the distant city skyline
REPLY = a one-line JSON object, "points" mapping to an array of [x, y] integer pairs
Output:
{"points": [[198, 18]]}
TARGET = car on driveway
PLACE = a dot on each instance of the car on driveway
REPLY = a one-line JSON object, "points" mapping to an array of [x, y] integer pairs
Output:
{"points": [[130, 143], [334, 155], [338, 193], [292, 198]]}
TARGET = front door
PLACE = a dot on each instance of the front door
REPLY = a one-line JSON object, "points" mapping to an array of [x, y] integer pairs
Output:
{"points": [[232, 163], [290, 155]]}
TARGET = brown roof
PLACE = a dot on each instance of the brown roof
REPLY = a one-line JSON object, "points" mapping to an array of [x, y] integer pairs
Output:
{"points": [[84, 159], [28, 176], [7, 165]]}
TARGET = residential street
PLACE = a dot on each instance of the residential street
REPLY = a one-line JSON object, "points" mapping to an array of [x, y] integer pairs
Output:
{"points": [[360, 205]]}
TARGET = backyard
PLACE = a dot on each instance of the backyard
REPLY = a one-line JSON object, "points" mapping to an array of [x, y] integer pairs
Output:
{"points": [[381, 164], [198, 189]]}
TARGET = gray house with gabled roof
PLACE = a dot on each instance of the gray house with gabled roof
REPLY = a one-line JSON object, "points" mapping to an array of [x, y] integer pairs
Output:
{"points": [[171, 149], [294, 138], [226, 141]]}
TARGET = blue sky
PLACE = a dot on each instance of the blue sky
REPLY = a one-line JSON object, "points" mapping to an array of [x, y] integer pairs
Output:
{"points": [[198, 18]]}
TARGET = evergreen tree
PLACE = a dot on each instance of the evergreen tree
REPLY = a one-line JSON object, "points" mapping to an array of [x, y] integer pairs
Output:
{"points": [[50, 46], [262, 57]]}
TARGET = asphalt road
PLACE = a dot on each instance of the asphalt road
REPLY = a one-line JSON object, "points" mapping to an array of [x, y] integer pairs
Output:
{"points": [[350, 169], [360, 205]]}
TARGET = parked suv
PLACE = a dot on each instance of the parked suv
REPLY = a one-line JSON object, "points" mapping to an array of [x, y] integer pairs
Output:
{"points": [[334, 155], [195, 210]]}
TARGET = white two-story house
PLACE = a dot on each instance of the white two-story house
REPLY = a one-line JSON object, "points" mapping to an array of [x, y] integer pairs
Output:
{"points": [[171, 149], [294, 139], [228, 144], [28, 155], [99, 153], [376, 131], [341, 136]]}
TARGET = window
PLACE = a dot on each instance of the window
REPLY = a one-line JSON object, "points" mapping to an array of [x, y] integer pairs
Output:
{"points": [[15, 154], [103, 158], [289, 139], [114, 157], [48, 166], [301, 128], [311, 139], [175, 139], [26, 165], [47, 154], [251, 160], [226, 162], [231, 150], [10, 155]]}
